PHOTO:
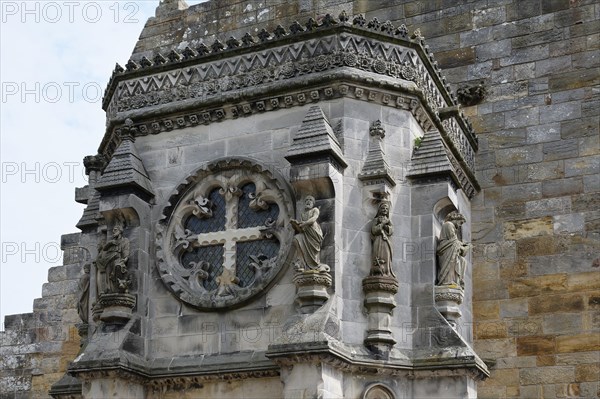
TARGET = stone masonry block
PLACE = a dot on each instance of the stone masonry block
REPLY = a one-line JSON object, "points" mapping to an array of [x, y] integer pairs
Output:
{"points": [[522, 117], [560, 112], [519, 155], [514, 308], [558, 303], [549, 206], [571, 223], [547, 375], [515, 230], [543, 133], [544, 170], [562, 323], [537, 285], [582, 166], [577, 343], [587, 372], [562, 187]]}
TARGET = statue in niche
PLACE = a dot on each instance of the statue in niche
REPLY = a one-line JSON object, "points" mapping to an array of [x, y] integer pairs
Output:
{"points": [[381, 230], [111, 263], [84, 294], [451, 252], [308, 238]]}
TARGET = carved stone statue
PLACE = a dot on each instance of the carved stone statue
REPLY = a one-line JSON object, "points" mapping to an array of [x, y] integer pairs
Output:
{"points": [[308, 238], [381, 230], [451, 251], [84, 294], [111, 263]]}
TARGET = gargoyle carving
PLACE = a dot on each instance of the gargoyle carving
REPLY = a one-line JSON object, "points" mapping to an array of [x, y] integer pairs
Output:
{"points": [[261, 265]]}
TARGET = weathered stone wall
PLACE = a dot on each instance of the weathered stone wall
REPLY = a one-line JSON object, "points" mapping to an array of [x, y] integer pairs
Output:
{"points": [[535, 223], [37, 347]]}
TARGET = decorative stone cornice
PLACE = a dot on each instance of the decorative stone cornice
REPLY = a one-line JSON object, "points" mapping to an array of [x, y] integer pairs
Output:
{"points": [[354, 362], [191, 382], [299, 97], [280, 36], [170, 374], [299, 65]]}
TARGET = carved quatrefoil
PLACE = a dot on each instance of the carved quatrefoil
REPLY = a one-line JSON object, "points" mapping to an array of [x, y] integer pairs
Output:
{"points": [[225, 234]]}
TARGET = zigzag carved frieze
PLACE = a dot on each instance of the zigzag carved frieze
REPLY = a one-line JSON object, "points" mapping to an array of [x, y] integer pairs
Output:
{"points": [[212, 79]]}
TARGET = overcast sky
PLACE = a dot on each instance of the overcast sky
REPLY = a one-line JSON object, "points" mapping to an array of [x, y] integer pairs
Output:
{"points": [[55, 61]]}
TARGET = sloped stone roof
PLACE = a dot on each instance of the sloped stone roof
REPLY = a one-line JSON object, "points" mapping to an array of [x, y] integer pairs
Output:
{"points": [[315, 137], [91, 212], [376, 165], [125, 169], [430, 157]]}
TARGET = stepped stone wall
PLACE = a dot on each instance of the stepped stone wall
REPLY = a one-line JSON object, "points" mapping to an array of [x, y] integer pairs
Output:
{"points": [[536, 221], [37, 347]]}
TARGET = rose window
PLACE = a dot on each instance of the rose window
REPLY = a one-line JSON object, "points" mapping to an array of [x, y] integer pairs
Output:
{"points": [[225, 234]]}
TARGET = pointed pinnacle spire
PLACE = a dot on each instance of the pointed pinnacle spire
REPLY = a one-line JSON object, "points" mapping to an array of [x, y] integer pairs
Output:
{"points": [[315, 137], [126, 169], [376, 167]]}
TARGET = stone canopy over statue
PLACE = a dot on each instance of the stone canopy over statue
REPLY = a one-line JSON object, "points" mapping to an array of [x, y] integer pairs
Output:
{"points": [[451, 252]]}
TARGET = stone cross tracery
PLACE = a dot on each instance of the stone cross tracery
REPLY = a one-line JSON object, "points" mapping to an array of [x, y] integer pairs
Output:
{"points": [[230, 237], [227, 234], [225, 238]]}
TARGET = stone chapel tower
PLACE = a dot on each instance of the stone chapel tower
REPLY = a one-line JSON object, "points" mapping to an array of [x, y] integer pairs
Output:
{"points": [[280, 208]]}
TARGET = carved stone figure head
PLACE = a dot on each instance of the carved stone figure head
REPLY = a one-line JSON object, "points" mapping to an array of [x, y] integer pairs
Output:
{"points": [[384, 209], [117, 231], [309, 202], [455, 218]]}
